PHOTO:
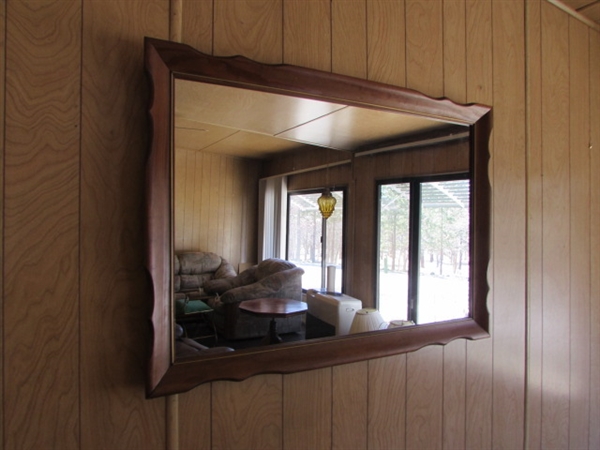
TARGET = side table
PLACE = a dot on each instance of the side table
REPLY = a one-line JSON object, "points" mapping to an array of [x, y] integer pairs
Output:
{"points": [[273, 308]]}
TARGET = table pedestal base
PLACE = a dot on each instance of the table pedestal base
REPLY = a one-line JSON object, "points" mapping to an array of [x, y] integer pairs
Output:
{"points": [[272, 337]]}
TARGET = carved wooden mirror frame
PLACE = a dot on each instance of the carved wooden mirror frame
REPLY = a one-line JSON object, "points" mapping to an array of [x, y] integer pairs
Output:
{"points": [[167, 61]]}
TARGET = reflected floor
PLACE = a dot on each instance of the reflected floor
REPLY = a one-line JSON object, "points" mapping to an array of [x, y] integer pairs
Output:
{"points": [[201, 336]]}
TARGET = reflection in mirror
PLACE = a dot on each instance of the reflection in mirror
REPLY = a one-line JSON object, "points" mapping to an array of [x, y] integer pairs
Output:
{"points": [[237, 126], [240, 255]]}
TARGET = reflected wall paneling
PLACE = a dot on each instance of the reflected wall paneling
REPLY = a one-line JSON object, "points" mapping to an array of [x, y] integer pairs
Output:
{"points": [[580, 176], [114, 290], [212, 192], [40, 224], [509, 236]]}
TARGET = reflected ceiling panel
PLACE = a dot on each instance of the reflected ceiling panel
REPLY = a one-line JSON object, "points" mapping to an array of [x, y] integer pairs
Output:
{"points": [[243, 109], [352, 128]]}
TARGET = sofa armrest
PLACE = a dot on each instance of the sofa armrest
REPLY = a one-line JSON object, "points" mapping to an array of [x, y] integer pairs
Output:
{"points": [[284, 284]]}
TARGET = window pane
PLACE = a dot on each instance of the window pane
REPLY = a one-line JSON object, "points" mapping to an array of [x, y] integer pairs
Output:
{"points": [[444, 251], [394, 204], [304, 238]]}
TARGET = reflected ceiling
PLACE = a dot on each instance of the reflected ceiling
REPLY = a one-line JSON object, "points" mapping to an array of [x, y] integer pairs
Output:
{"points": [[234, 121]]}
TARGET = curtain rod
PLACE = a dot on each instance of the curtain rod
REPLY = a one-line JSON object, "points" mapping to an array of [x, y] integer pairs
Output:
{"points": [[389, 148], [310, 169]]}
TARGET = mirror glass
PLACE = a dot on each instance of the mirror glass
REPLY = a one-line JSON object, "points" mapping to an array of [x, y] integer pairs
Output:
{"points": [[410, 176]]}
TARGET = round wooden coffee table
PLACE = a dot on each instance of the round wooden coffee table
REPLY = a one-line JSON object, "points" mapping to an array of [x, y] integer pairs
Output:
{"points": [[273, 308]]}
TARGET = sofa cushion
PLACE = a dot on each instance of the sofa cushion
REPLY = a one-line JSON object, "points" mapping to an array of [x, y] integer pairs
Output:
{"points": [[194, 263], [222, 285], [225, 270], [194, 282]]}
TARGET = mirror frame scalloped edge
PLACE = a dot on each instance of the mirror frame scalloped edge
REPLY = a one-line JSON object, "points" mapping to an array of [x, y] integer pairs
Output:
{"points": [[166, 61]]}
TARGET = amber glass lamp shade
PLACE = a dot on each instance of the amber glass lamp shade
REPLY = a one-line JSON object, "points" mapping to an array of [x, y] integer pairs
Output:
{"points": [[326, 204]]}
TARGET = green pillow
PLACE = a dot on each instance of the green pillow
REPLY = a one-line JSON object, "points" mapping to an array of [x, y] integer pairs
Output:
{"points": [[183, 306]]}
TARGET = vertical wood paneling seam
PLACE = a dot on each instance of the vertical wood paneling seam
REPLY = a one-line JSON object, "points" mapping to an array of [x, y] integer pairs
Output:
{"points": [[80, 221], [331, 53], [331, 381], [569, 187], [405, 78], [492, 225], [2, 221], [527, 74], [366, 50], [591, 225]]}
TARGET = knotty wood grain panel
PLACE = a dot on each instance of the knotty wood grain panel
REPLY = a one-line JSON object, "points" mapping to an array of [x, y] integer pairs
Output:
{"points": [[579, 100], [349, 37], [307, 410], [252, 28], [594, 441], [195, 418], [556, 232], [349, 415], [197, 24], [424, 47], [386, 49], [40, 225], [387, 403], [424, 392], [114, 291], [247, 414], [307, 33], [479, 368], [509, 236], [533, 421], [455, 50]]}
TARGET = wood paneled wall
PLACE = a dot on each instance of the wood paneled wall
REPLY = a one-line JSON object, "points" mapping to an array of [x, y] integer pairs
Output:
{"points": [[216, 205], [75, 295]]}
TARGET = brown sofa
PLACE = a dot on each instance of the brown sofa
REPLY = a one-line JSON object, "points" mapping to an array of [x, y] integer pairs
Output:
{"points": [[274, 278]]}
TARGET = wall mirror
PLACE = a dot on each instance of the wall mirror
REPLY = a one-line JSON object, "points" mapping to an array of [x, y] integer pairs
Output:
{"points": [[307, 125]]}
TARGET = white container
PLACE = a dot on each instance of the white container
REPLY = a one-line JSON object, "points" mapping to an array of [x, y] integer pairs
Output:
{"points": [[336, 310]]}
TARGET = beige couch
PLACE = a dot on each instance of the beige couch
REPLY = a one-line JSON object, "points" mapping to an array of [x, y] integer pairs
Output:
{"points": [[191, 271]]}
